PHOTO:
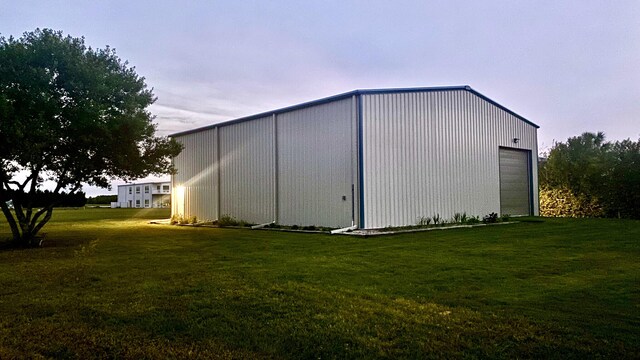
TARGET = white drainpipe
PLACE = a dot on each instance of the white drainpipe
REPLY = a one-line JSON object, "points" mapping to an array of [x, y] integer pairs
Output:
{"points": [[260, 226], [343, 230]]}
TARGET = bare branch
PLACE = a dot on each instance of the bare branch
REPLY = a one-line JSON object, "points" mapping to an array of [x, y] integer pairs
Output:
{"points": [[37, 215], [46, 219], [15, 231]]}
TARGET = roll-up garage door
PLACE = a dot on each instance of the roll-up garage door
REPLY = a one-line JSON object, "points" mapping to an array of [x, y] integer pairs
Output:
{"points": [[514, 182]]}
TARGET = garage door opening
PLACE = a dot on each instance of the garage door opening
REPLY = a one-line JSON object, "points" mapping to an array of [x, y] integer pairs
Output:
{"points": [[515, 181]]}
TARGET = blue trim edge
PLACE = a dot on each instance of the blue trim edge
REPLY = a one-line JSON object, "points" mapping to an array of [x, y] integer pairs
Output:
{"points": [[360, 163]]}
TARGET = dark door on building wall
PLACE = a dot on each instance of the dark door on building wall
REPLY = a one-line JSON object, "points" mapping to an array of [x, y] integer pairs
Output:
{"points": [[515, 181]]}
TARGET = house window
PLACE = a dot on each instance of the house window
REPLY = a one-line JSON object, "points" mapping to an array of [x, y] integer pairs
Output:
{"points": [[146, 189], [137, 203], [165, 187], [137, 189], [146, 202], [130, 188], [158, 187]]}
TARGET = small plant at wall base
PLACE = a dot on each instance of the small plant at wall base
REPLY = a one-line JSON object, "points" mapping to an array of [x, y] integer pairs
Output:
{"points": [[460, 218], [472, 220], [490, 219], [423, 221], [227, 220], [179, 219]]}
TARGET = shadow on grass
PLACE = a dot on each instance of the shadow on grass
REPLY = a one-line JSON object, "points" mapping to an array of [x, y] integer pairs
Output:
{"points": [[294, 318], [8, 244]]}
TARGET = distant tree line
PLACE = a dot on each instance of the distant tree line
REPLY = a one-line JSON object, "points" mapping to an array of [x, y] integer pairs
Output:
{"points": [[41, 199], [587, 176], [102, 199]]}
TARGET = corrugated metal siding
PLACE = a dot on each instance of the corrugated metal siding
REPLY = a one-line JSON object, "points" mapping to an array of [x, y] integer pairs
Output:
{"points": [[311, 173], [195, 186], [429, 153], [247, 170], [315, 164]]}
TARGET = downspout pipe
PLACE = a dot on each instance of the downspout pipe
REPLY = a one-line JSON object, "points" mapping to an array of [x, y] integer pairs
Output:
{"points": [[260, 226], [344, 230]]}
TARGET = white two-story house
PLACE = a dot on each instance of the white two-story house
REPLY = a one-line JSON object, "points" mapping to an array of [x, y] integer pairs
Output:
{"points": [[145, 195]]}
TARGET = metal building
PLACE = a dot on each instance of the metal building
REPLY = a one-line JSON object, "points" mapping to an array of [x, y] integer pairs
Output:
{"points": [[372, 158]]}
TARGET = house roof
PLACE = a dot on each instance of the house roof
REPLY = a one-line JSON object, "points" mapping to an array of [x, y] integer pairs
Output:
{"points": [[146, 183], [350, 94]]}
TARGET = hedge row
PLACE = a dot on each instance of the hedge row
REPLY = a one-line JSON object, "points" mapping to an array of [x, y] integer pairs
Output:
{"points": [[562, 202]]}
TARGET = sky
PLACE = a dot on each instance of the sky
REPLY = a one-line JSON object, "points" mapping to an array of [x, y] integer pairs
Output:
{"points": [[568, 66]]}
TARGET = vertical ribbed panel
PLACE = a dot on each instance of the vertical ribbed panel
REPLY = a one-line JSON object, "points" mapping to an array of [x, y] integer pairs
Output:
{"points": [[435, 152], [195, 186], [247, 170], [315, 164]]}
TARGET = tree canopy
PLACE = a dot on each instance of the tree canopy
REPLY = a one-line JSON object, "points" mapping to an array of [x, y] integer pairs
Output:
{"points": [[600, 172], [70, 114]]}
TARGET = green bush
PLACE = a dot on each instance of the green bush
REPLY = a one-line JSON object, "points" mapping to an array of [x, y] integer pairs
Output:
{"points": [[562, 202], [472, 220], [490, 219], [592, 177], [178, 219], [459, 218], [227, 220]]}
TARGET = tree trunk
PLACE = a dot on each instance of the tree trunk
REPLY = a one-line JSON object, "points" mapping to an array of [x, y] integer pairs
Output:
{"points": [[11, 220], [25, 226]]}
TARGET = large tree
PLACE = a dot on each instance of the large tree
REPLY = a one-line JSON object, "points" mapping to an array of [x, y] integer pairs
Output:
{"points": [[69, 114], [581, 164]]}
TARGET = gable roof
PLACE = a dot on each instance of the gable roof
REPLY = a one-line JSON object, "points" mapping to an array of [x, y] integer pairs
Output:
{"points": [[350, 94]]}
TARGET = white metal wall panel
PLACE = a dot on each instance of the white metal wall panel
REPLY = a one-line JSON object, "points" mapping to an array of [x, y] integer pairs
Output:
{"points": [[195, 186], [435, 152], [247, 170], [314, 151]]}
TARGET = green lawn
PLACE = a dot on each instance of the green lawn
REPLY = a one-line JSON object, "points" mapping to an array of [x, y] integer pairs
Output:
{"points": [[109, 285]]}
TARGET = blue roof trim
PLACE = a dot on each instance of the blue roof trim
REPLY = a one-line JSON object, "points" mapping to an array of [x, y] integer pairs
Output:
{"points": [[348, 95], [360, 165], [270, 113], [469, 89]]}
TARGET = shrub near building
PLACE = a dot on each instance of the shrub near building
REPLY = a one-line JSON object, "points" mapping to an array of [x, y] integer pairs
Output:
{"points": [[562, 202], [589, 177]]}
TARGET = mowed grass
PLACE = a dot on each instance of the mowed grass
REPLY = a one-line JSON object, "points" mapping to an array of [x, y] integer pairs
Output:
{"points": [[109, 285]]}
